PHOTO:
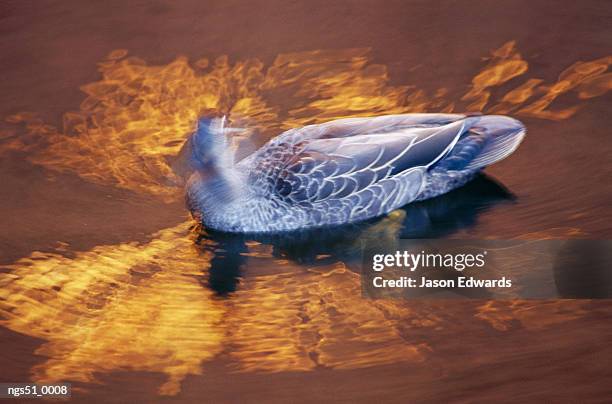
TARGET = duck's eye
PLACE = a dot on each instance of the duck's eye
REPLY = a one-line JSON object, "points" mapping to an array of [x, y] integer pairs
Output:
{"points": [[204, 124]]}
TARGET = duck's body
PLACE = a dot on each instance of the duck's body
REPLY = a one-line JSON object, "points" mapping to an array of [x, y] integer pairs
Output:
{"points": [[342, 171]]}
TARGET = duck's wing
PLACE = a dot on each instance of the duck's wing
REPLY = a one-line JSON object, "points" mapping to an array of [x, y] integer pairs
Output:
{"points": [[368, 172], [348, 127], [286, 142]]}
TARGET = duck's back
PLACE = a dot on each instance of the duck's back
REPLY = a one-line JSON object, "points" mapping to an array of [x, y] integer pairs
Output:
{"points": [[354, 169]]}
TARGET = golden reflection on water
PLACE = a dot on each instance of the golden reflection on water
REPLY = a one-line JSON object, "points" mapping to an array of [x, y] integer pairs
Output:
{"points": [[137, 116], [143, 307], [130, 306], [533, 315], [316, 319]]}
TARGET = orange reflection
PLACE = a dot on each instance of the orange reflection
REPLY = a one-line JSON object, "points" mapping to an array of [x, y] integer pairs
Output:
{"points": [[588, 78], [292, 322], [504, 65], [131, 306], [504, 315], [136, 117], [141, 307]]}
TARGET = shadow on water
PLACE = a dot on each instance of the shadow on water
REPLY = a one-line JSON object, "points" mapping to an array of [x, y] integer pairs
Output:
{"points": [[436, 218]]}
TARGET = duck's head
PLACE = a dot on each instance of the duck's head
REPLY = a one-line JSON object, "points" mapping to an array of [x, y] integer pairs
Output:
{"points": [[208, 142], [210, 145], [212, 180]]}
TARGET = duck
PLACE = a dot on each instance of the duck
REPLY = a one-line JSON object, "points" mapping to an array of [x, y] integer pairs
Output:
{"points": [[339, 172]]}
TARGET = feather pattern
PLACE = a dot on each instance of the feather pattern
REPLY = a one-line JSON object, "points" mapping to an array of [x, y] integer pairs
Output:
{"points": [[344, 171]]}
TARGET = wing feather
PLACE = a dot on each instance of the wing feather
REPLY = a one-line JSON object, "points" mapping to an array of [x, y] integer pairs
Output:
{"points": [[336, 168]]}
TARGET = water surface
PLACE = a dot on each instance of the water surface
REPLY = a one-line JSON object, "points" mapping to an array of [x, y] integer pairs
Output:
{"points": [[108, 284]]}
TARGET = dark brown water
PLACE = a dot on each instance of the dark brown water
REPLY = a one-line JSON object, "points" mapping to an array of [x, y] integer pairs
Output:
{"points": [[106, 285]]}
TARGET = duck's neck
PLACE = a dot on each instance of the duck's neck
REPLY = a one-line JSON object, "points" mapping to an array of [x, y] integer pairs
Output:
{"points": [[217, 187]]}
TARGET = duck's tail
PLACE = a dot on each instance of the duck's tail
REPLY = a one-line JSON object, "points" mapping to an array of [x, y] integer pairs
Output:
{"points": [[488, 139]]}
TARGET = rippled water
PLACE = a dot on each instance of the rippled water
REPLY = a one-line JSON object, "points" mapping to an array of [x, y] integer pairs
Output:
{"points": [[109, 285]]}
